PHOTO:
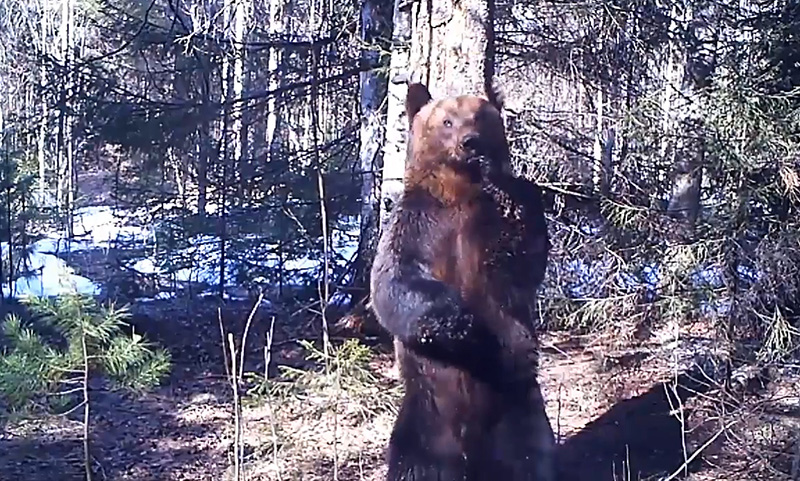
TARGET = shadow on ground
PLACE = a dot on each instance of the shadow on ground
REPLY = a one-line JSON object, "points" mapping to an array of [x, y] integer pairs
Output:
{"points": [[635, 439], [179, 431], [27, 457], [132, 439]]}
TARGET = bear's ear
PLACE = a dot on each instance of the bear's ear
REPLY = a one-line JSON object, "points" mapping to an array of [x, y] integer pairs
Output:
{"points": [[418, 95]]}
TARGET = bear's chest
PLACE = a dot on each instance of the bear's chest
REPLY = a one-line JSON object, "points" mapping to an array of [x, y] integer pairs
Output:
{"points": [[493, 260], [480, 252]]}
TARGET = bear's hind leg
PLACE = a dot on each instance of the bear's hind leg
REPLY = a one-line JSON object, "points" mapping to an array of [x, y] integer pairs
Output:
{"points": [[420, 449], [522, 446], [425, 467]]}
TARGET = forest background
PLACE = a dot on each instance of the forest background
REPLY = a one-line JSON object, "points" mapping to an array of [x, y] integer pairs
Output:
{"points": [[222, 167]]}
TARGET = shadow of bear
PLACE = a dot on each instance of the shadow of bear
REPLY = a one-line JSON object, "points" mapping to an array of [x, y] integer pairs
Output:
{"points": [[637, 438]]}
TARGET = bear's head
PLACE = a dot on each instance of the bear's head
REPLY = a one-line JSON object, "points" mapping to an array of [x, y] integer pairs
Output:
{"points": [[455, 132]]}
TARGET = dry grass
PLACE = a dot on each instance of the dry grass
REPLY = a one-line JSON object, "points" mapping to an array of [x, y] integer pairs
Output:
{"points": [[605, 399], [763, 442], [322, 423]]}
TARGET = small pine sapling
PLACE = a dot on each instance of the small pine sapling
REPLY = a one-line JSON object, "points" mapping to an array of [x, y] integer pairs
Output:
{"points": [[72, 340]]}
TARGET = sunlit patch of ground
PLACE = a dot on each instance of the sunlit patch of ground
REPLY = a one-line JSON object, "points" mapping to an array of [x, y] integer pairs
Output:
{"points": [[607, 402]]}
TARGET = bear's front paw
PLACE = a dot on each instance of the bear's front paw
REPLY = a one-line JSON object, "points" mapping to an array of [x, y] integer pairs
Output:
{"points": [[482, 165]]}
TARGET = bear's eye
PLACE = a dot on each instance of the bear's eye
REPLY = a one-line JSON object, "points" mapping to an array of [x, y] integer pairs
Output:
{"points": [[447, 123]]}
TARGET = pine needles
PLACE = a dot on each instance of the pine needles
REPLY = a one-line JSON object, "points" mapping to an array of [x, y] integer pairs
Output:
{"points": [[50, 362]]}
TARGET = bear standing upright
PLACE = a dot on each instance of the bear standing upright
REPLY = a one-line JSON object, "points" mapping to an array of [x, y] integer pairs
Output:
{"points": [[454, 281]]}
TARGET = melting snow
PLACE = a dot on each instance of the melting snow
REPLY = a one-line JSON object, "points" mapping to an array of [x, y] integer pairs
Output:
{"points": [[45, 274]]}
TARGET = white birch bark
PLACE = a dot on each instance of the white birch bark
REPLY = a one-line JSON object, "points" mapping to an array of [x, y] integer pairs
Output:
{"points": [[275, 29], [241, 15], [375, 23], [394, 150], [44, 34]]}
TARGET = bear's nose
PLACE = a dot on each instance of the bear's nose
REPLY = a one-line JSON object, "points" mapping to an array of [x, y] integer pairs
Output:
{"points": [[472, 142]]}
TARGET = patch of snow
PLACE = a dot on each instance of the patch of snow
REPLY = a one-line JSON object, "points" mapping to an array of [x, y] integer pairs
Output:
{"points": [[145, 266], [652, 274], [103, 226], [47, 275], [163, 295], [200, 261]]}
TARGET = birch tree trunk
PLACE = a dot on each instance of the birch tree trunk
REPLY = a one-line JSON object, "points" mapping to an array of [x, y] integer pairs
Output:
{"points": [[447, 44], [239, 144], [42, 136], [671, 68], [180, 92], [394, 150], [70, 143], [605, 138], [375, 24], [453, 46], [275, 29], [601, 161]]}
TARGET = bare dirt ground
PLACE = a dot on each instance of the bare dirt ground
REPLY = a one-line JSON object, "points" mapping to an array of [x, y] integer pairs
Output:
{"points": [[609, 405]]}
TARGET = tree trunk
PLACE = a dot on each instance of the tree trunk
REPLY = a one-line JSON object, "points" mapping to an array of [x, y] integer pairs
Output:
{"points": [[71, 170], [275, 30], [447, 45], [61, 138], [185, 61], [375, 24], [394, 150], [43, 128], [65, 164], [603, 145], [225, 148], [453, 46], [689, 151], [239, 144], [204, 142], [181, 94]]}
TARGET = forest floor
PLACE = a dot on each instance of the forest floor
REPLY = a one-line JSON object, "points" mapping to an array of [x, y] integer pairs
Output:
{"points": [[610, 405]]}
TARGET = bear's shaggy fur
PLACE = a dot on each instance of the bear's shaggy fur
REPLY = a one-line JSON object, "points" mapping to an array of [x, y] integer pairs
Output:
{"points": [[454, 281]]}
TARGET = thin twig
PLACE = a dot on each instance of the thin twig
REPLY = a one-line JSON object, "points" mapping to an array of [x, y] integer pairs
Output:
{"points": [[65, 393], [222, 339], [679, 414], [268, 347], [236, 416], [698, 451], [246, 329], [274, 431], [87, 460], [558, 415], [72, 410], [325, 287]]}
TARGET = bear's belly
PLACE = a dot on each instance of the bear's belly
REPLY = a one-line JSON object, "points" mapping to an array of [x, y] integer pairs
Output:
{"points": [[465, 405]]}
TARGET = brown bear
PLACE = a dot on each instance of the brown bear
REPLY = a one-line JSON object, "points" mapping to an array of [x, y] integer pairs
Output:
{"points": [[454, 281]]}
